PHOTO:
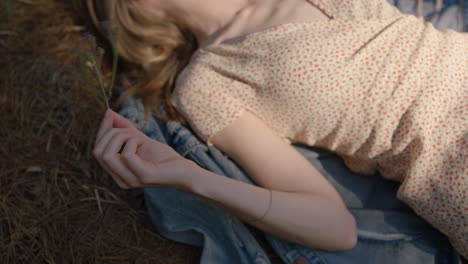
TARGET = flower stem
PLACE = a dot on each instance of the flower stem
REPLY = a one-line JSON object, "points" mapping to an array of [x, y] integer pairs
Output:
{"points": [[98, 74], [114, 68]]}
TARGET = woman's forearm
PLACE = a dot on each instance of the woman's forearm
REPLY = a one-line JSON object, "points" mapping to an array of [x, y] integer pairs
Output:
{"points": [[304, 218]]}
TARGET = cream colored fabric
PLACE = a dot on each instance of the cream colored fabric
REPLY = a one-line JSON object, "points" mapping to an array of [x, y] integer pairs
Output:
{"points": [[386, 91]]}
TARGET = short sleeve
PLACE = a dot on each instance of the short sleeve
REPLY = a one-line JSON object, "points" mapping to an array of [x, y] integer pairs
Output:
{"points": [[357, 9], [209, 100]]}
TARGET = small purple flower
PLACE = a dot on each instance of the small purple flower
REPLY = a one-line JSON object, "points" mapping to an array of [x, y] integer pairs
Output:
{"points": [[84, 36]]}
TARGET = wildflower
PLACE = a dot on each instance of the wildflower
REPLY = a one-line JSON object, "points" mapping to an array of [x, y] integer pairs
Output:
{"points": [[111, 32], [89, 60]]}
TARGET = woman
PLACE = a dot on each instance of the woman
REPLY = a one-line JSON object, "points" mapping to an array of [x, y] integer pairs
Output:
{"points": [[384, 90]]}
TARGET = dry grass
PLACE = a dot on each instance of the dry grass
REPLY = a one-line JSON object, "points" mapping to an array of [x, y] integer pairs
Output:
{"points": [[56, 203]]}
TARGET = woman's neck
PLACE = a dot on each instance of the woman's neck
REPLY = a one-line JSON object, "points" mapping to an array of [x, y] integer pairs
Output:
{"points": [[227, 28], [257, 15]]}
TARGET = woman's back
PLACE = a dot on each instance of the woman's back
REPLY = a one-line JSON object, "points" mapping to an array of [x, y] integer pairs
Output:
{"points": [[386, 91]]}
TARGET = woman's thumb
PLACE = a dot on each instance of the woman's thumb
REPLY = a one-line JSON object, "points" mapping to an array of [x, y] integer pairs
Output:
{"points": [[120, 121]]}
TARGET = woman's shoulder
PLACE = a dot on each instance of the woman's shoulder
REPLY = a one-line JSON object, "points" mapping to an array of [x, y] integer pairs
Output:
{"points": [[189, 73], [358, 9], [203, 70]]}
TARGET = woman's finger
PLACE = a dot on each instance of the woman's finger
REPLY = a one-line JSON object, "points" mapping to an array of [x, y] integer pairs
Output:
{"points": [[113, 160], [106, 124], [122, 122], [135, 164], [104, 140], [99, 150], [116, 178]]}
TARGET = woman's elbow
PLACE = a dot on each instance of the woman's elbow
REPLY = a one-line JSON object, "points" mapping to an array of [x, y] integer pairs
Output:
{"points": [[343, 235], [348, 238]]}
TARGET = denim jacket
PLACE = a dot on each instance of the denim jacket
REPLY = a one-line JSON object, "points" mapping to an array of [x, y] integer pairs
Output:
{"points": [[389, 232]]}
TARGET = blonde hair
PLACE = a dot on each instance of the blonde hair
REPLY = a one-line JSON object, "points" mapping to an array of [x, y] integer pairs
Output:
{"points": [[154, 50]]}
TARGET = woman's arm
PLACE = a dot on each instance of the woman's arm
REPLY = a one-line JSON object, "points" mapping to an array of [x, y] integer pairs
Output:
{"points": [[305, 208]]}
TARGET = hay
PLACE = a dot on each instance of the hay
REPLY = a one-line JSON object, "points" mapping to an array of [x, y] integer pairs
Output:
{"points": [[56, 203]]}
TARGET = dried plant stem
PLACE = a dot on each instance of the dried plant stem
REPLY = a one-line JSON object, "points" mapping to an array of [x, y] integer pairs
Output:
{"points": [[98, 74], [114, 68]]}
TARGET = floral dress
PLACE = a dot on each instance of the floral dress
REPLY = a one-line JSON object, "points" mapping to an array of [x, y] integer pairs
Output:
{"points": [[385, 91]]}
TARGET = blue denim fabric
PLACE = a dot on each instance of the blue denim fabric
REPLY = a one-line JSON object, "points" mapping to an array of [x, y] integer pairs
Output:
{"points": [[388, 230], [449, 3], [464, 5], [446, 4]]}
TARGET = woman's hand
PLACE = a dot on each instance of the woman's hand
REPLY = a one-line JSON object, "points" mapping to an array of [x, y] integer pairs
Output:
{"points": [[143, 162]]}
